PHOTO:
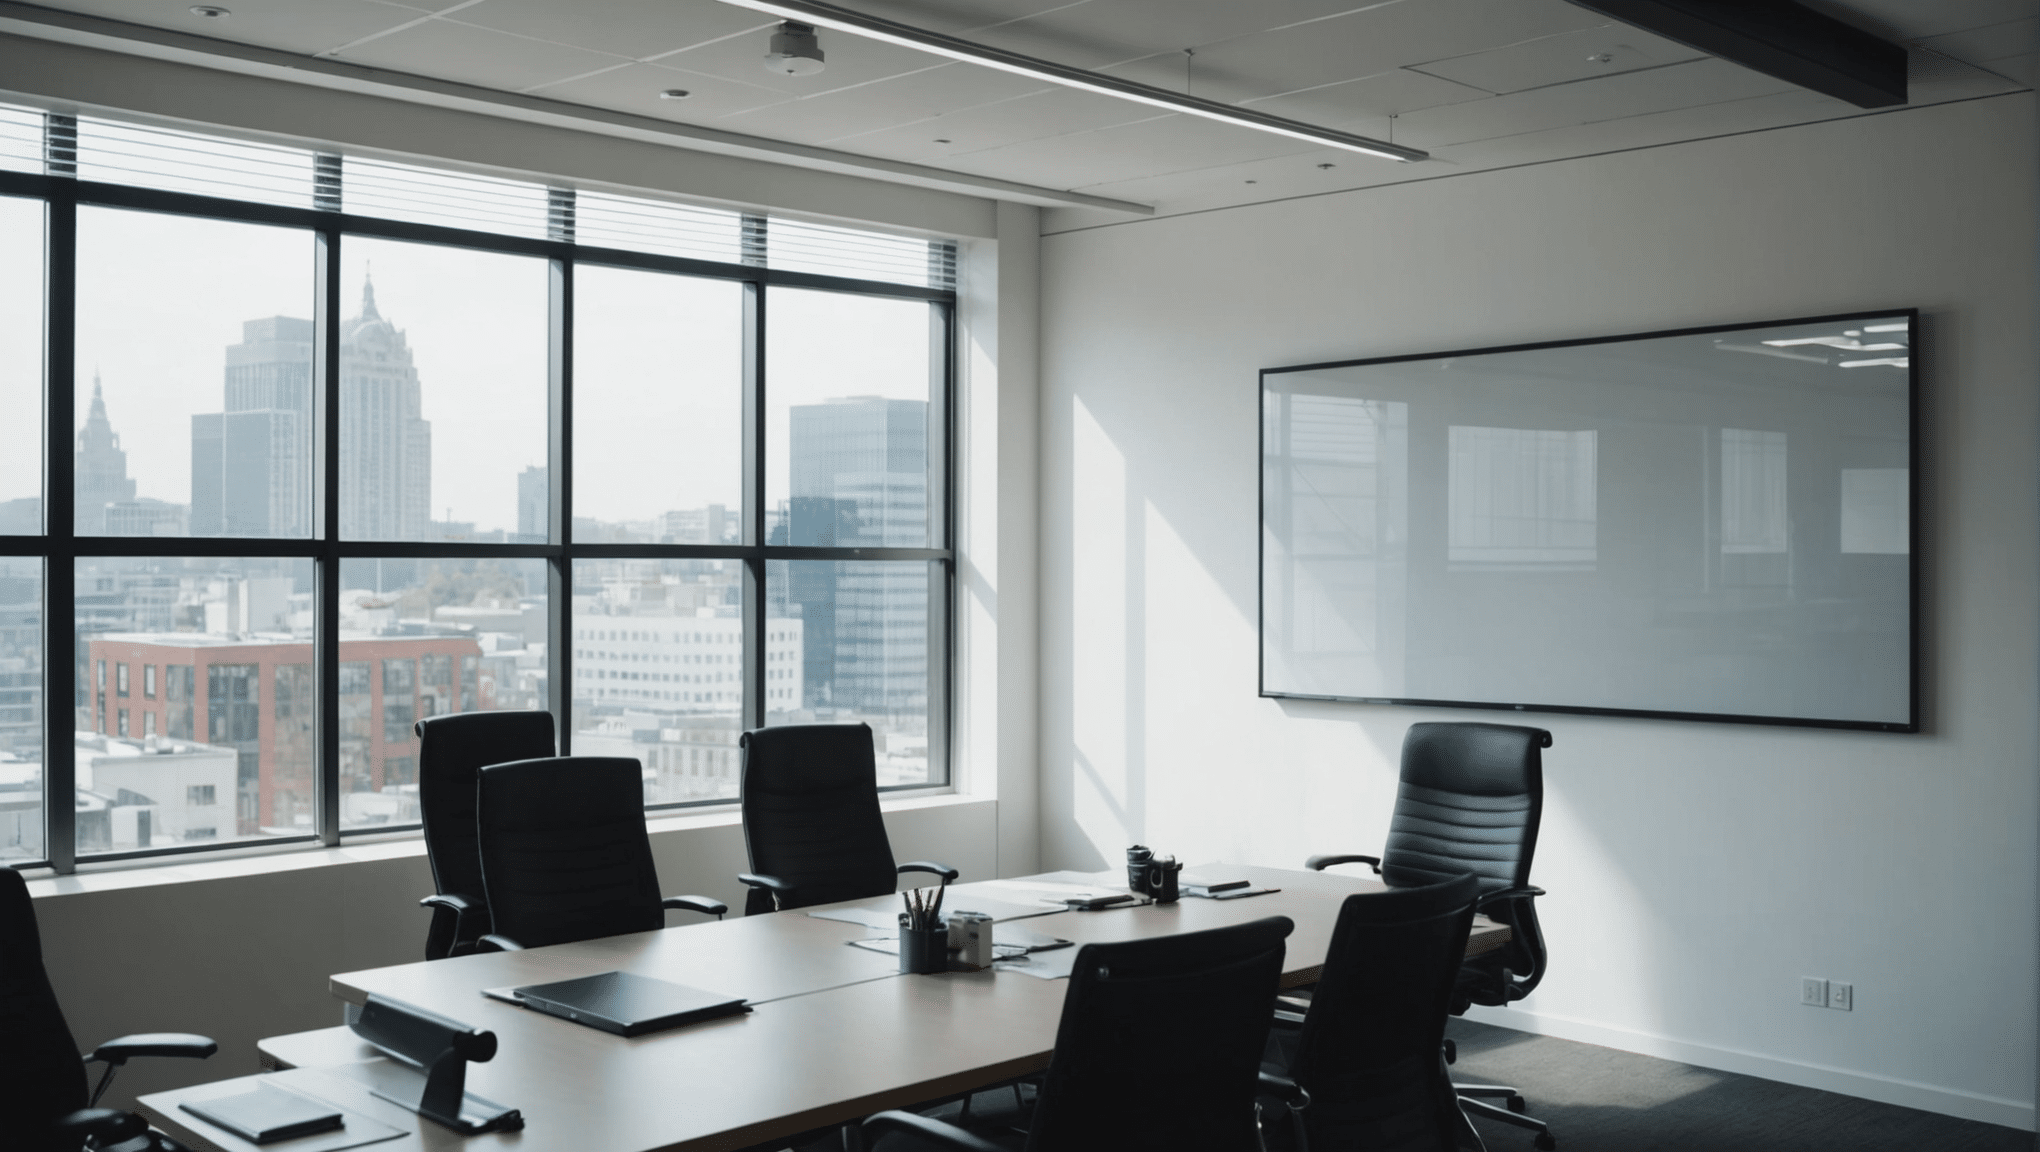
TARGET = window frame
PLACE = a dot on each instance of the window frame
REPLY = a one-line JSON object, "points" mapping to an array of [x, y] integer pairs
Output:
{"points": [[330, 227]]}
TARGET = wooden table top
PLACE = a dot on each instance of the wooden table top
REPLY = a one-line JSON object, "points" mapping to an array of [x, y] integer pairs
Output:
{"points": [[832, 1038]]}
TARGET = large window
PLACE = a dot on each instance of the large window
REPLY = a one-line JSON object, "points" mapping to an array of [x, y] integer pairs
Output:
{"points": [[356, 443]]}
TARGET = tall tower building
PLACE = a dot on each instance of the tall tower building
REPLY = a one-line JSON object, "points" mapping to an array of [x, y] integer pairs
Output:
{"points": [[859, 477], [534, 501], [102, 477], [385, 445], [251, 465]]}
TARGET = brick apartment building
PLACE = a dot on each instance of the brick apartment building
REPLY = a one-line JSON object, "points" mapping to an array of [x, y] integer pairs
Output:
{"points": [[257, 696]]}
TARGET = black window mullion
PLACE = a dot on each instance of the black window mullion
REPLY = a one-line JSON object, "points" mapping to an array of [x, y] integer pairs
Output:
{"points": [[60, 572], [326, 566], [560, 501], [755, 519]]}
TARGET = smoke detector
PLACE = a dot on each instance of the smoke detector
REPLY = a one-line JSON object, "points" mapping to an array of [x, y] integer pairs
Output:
{"points": [[794, 51]]}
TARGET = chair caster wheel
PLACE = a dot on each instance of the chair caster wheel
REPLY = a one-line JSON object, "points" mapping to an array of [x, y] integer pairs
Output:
{"points": [[1544, 1142], [1516, 1104]]}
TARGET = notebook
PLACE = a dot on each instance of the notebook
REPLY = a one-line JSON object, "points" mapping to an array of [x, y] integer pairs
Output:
{"points": [[626, 1004], [265, 1114]]}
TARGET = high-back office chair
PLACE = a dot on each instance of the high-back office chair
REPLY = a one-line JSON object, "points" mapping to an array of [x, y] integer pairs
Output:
{"points": [[1470, 800], [451, 752], [45, 1103], [811, 819], [565, 855], [1370, 1052], [1159, 1048]]}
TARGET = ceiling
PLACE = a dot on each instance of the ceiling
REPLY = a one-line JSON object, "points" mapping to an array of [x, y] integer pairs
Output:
{"points": [[1477, 83]]}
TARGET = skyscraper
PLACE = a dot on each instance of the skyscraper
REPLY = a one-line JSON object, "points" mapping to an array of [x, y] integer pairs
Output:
{"points": [[102, 477], [859, 477], [385, 445], [251, 465], [534, 500]]}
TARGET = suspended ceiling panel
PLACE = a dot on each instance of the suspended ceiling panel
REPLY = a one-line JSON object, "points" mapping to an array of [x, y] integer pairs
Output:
{"points": [[1480, 83]]}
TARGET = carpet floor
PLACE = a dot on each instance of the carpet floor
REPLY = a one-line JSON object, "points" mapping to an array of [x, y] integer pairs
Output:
{"points": [[1603, 1100]]}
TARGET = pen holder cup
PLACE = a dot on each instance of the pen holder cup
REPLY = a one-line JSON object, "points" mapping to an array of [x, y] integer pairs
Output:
{"points": [[924, 949]]}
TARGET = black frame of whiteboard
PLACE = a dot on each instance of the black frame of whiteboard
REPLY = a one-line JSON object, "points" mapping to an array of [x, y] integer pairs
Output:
{"points": [[1913, 528]]}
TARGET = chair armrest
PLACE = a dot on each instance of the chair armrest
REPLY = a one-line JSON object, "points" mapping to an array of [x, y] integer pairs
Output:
{"points": [[947, 1135], [182, 1044], [769, 883], [1500, 895], [458, 905], [1285, 1090], [1320, 863], [702, 904], [490, 942], [1284, 1018], [105, 1126], [942, 870]]}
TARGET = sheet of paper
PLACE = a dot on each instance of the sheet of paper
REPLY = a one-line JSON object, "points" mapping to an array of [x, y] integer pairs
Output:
{"points": [[1050, 965], [871, 916]]}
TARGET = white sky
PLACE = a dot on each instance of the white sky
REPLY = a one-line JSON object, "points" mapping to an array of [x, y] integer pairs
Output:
{"points": [[658, 366]]}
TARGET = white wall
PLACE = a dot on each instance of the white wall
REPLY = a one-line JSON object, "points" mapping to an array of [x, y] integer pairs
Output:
{"points": [[1696, 871]]}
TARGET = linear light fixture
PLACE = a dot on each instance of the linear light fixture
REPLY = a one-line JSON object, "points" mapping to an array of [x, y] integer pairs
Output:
{"points": [[906, 36]]}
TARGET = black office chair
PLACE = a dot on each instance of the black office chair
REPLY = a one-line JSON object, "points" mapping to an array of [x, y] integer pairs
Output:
{"points": [[1470, 800], [1159, 1048], [1369, 1054], [46, 1104], [565, 855], [451, 751], [811, 819]]}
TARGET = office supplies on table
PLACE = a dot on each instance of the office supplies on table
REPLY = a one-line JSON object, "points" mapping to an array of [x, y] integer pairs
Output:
{"points": [[265, 1114], [1199, 882], [924, 938], [1092, 901], [626, 1004], [1025, 939], [971, 936], [439, 1047], [1137, 858], [1233, 893]]}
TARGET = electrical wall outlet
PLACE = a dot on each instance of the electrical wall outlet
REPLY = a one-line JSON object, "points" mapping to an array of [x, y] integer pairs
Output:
{"points": [[1840, 995], [1813, 991]]}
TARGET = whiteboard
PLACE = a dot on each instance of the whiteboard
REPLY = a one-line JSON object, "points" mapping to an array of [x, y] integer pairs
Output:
{"points": [[1711, 524]]}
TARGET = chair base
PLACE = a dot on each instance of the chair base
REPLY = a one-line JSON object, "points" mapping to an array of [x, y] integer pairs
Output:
{"points": [[1470, 1102]]}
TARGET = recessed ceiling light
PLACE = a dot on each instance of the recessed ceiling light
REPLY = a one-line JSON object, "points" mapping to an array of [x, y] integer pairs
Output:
{"points": [[942, 141], [209, 11], [1324, 166], [1600, 58], [675, 94], [1253, 181]]}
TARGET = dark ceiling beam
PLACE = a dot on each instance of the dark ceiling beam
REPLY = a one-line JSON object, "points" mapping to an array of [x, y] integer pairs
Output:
{"points": [[1778, 38]]}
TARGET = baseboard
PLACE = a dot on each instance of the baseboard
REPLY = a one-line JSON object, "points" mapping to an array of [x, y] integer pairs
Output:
{"points": [[1885, 1089]]}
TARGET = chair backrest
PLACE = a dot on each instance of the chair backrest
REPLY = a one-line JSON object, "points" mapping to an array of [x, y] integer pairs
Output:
{"points": [[451, 752], [810, 796], [1160, 1043], [1369, 1051], [41, 1075], [1471, 799], [565, 855]]}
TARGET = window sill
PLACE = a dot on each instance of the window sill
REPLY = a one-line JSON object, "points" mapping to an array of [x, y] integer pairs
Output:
{"points": [[255, 860]]}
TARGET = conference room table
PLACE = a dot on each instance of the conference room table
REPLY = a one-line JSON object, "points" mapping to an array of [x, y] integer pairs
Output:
{"points": [[836, 1032]]}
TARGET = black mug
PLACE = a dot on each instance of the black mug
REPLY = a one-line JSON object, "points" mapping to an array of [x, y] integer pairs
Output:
{"points": [[1137, 859], [1160, 879]]}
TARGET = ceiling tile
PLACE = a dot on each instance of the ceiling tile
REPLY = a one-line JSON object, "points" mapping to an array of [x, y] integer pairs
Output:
{"points": [[1126, 29], [896, 102], [305, 26], [851, 60], [1168, 143], [473, 55], [1379, 39], [633, 28], [1559, 59], [1932, 78], [635, 88], [1686, 85], [1364, 105], [1916, 19], [960, 17], [1979, 45], [1054, 113]]}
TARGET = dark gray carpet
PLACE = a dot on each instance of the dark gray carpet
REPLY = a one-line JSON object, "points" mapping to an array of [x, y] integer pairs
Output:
{"points": [[1601, 1100]]}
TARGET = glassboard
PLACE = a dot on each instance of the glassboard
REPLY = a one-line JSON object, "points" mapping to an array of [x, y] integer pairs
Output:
{"points": [[1711, 524]]}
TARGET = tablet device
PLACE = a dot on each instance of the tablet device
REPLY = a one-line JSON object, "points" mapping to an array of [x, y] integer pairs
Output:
{"points": [[266, 1114], [626, 1004]]}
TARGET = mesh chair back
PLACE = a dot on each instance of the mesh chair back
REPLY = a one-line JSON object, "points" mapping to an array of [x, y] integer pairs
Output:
{"points": [[1470, 801], [565, 855], [41, 1075], [1369, 1052], [811, 817], [451, 752], [1160, 1043]]}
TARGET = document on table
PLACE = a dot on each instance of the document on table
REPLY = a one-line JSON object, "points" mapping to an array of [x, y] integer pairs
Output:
{"points": [[884, 912], [1007, 939]]}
